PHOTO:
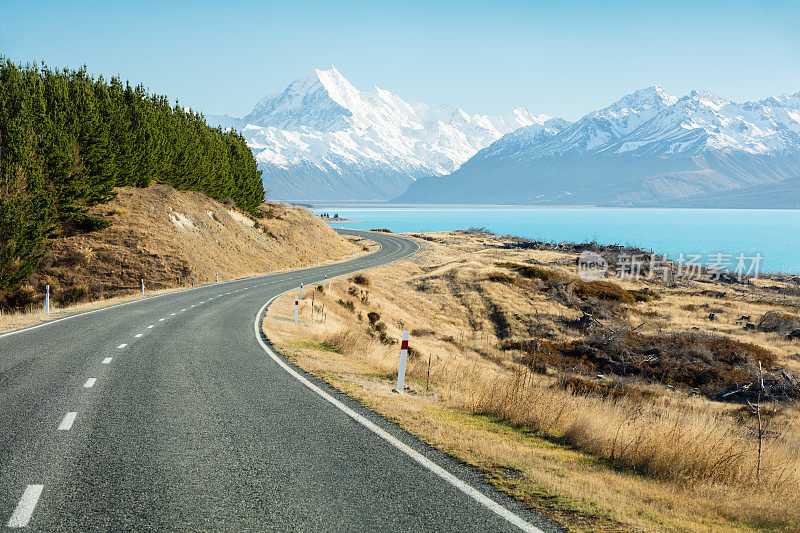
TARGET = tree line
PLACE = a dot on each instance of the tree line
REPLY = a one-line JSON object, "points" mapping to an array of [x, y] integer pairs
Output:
{"points": [[67, 140]]}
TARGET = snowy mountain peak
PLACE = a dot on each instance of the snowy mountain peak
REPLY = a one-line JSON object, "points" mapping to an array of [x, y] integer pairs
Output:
{"points": [[307, 102], [321, 126], [643, 100]]}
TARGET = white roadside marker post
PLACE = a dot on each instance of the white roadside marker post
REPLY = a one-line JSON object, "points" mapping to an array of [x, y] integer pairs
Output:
{"points": [[47, 300], [325, 283], [296, 309], [142, 286], [401, 372], [217, 273], [270, 269], [301, 289]]}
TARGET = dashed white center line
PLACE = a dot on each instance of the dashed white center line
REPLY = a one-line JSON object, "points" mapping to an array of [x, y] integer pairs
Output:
{"points": [[24, 511], [184, 309], [139, 335], [151, 326], [121, 346], [89, 383], [107, 360], [172, 314], [191, 306], [161, 319], [69, 419]]}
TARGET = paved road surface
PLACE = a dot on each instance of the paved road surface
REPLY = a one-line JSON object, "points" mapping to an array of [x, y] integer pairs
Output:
{"points": [[168, 414]]}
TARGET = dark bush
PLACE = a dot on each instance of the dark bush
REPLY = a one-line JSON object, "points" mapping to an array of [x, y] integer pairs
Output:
{"points": [[360, 279], [71, 295], [20, 298], [498, 277], [86, 223], [531, 272], [347, 304], [603, 290], [373, 317], [776, 322]]}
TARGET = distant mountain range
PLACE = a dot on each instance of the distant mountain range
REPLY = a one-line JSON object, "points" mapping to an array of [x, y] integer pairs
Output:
{"points": [[647, 149], [323, 139]]}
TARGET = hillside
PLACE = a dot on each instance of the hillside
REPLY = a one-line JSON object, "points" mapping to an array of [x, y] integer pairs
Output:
{"points": [[67, 140], [647, 149], [170, 239]]}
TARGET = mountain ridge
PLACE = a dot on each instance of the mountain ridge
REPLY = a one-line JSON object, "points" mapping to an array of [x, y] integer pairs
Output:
{"points": [[647, 148]]}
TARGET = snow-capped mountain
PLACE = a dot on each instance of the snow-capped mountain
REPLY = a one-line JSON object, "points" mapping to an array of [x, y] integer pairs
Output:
{"points": [[647, 148], [323, 139]]}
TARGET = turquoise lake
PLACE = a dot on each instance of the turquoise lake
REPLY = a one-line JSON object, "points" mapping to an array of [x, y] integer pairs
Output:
{"points": [[775, 234]]}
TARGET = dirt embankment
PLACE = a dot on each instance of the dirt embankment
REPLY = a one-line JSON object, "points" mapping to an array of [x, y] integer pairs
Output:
{"points": [[172, 239]]}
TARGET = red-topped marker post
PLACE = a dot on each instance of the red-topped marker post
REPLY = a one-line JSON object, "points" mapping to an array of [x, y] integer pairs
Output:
{"points": [[401, 372]]}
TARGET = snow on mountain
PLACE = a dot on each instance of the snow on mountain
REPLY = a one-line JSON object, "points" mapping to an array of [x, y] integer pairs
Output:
{"points": [[645, 147], [321, 136]]}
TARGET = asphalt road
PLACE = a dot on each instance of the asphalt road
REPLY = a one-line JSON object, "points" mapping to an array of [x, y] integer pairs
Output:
{"points": [[169, 413]]}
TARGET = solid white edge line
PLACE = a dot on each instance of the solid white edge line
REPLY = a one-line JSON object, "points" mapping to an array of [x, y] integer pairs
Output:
{"points": [[66, 423], [27, 503], [464, 487]]}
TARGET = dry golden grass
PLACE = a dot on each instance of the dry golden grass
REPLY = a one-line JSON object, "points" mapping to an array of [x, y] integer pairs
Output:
{"points": [[658, 460], [171, 239]]}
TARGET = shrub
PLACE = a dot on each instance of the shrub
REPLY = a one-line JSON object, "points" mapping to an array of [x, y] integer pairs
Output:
{"points": [[20, 298], [712, 364], [776, 322], [531, 272], [87, 223], [603, 290], [499, 277], [643, 295], [360, 279], [347, 304], [373, 317], [71, 295]]}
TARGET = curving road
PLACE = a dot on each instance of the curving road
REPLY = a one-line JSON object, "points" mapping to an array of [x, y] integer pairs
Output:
{"points": [[169, 413]]}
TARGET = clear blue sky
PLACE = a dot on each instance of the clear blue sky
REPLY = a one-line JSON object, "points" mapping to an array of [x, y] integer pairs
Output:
{"points": [[562, 58]]}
